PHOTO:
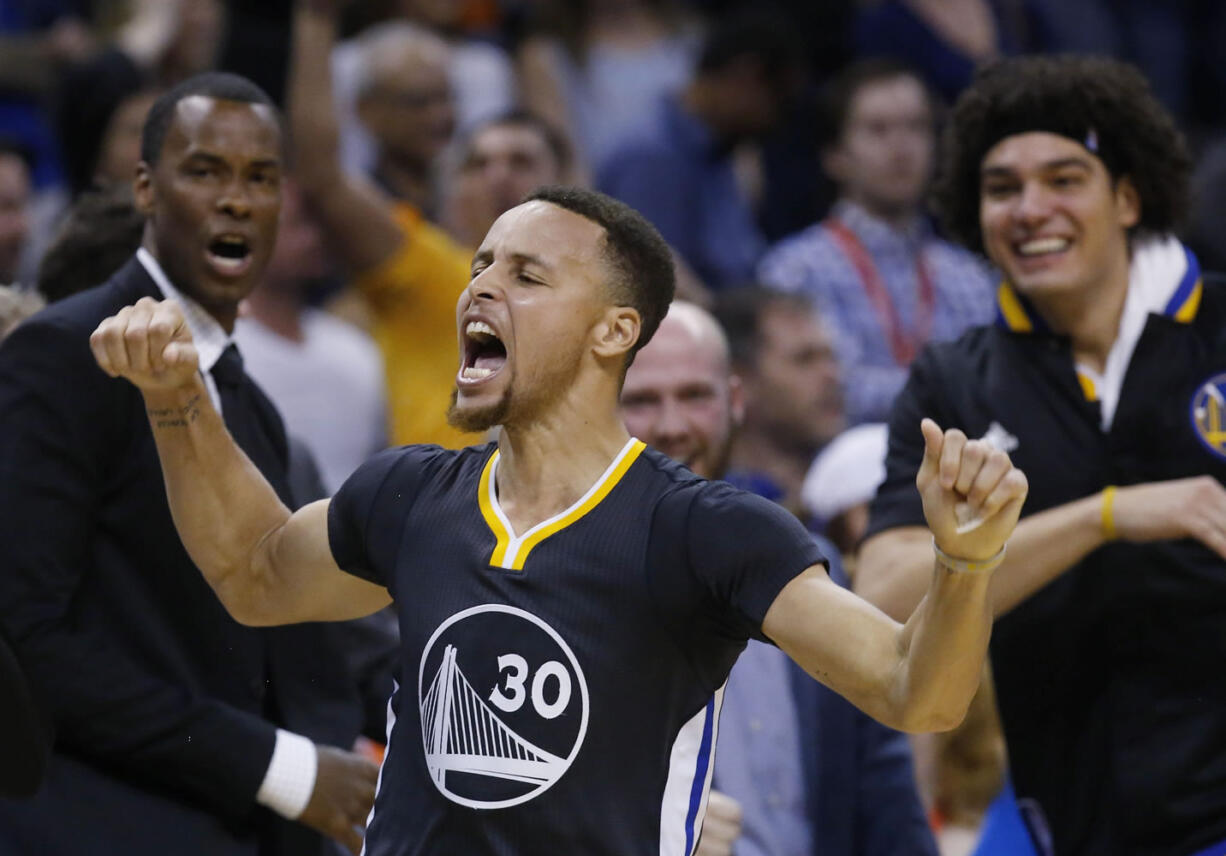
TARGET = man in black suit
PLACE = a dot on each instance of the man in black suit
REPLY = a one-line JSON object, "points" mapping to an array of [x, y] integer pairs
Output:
{"points": [[178, 729]]}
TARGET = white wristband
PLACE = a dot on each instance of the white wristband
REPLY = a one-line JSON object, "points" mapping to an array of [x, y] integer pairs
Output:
{"points": [[964, 566], [290, 779]]}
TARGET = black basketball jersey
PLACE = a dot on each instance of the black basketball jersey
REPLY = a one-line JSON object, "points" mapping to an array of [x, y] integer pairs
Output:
{"points": [[560, 688]]}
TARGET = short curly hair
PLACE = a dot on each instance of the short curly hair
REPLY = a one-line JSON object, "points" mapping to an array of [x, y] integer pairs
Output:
{"points": [[1105, 104]]}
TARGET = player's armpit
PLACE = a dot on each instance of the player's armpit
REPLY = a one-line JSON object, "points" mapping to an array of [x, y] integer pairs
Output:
{"points": [[305, 583], [841, 640]]}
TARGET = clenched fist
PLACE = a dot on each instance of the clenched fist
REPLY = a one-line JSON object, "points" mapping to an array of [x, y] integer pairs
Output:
{"points": [[972, 493], [149, 343]]}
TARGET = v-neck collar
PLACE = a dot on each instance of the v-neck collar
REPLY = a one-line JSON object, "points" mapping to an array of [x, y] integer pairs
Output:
{"points": [[511, 550]]}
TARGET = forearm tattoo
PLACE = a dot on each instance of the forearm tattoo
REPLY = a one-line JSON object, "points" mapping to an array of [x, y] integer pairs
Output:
{"points": [[176, 417]]}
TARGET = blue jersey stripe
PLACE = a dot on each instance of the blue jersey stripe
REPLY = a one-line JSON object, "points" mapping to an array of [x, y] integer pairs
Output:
{"points": [[700, 776]]}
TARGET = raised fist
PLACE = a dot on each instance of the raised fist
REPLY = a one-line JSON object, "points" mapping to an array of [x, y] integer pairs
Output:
{"points": [[972, 493], [149, 343]]}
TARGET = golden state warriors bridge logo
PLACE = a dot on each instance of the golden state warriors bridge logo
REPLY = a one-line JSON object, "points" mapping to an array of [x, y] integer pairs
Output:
{"points": [[1209, 414], [504, 706]]}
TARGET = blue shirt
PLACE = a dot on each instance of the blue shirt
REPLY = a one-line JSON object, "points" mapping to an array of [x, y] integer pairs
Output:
{"points": [[815, 264], [680, 177]]}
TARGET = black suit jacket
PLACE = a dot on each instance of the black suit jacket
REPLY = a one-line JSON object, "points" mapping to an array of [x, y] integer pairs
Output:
{"points": [[165, 708]]}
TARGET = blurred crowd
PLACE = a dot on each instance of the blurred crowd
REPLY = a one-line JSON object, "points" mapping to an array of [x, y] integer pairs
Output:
{"points": [[785, 151]]}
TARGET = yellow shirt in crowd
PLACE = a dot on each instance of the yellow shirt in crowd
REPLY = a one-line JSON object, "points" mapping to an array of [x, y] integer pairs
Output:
{"points": [[413, 295]]}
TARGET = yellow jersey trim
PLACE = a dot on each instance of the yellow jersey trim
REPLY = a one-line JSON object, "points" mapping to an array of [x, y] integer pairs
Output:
{"points": [[1012, 311], [1087, 386], [510, 550], [1187, 310]]}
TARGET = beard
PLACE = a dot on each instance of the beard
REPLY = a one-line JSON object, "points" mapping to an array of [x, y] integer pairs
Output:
{"points": [[477, 420]]}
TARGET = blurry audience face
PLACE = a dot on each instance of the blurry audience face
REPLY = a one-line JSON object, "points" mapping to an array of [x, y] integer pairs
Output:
{"points": [[792, 390], [1053, 219], [884, 158], [120, 150], [503, 164], [14, 220], [680, 396], [408, 105], [213, 199], [299, 255]]}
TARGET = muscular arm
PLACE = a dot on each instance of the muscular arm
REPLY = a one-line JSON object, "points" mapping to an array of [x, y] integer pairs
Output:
{"points": [[268, 566], [919, 676], [357, 217]]}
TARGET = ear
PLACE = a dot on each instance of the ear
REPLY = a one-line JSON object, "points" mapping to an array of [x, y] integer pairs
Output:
{"points": [[1127, 202], [616, 331], [142, 189]]}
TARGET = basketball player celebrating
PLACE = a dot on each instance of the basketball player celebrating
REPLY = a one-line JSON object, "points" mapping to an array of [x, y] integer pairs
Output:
{"points": [[570, 602]]}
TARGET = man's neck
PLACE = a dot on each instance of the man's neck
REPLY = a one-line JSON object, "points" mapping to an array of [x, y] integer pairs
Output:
{"points": [[1089, 315], [754, 452], [547, 465], [223, 315], [279, 309]]}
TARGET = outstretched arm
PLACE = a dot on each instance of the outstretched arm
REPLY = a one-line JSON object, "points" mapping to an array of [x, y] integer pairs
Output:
{"points": [[268, 566], [919, 676]]}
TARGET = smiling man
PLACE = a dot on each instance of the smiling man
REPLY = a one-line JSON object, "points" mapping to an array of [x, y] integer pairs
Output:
{"points": [[1105, 380], [570, 601], [173, 721]]}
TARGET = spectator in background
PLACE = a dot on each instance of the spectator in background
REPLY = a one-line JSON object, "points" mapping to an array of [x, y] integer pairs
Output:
{"points": [[782, 353], [407, 273], [324, 375], [101, 231], [398, 76], [15, 192], [480, 73], [875, 270], [597, 69], [174, 723], [679, 172], [498, 163], [799, 769], [1105, 369]]}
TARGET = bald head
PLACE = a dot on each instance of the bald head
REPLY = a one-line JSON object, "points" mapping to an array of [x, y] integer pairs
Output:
{"points": [[680, 395], [404, 91]]}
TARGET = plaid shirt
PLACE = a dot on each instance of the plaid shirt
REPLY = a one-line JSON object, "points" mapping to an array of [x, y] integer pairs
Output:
{"points": [[813, 263]]}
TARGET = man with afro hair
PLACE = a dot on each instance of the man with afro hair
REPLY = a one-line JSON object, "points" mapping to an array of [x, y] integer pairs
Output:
{"points": [[1105, 379]]}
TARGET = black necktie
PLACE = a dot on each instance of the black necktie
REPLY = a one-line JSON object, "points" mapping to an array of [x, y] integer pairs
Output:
{"points": [[252, 422]]}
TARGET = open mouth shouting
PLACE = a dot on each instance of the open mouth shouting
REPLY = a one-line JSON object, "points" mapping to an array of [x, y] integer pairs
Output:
{"points": [[484, 354], [229, 255]]}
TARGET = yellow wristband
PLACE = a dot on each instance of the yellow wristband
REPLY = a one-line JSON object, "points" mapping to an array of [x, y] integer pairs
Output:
{"points": [[1108, 511]]}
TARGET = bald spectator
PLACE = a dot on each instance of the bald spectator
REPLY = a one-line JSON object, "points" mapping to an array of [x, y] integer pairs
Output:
{"points": [[396, 80]]}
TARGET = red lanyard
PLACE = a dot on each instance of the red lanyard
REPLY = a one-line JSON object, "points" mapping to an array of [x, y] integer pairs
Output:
{"points": [[904, 347]]}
